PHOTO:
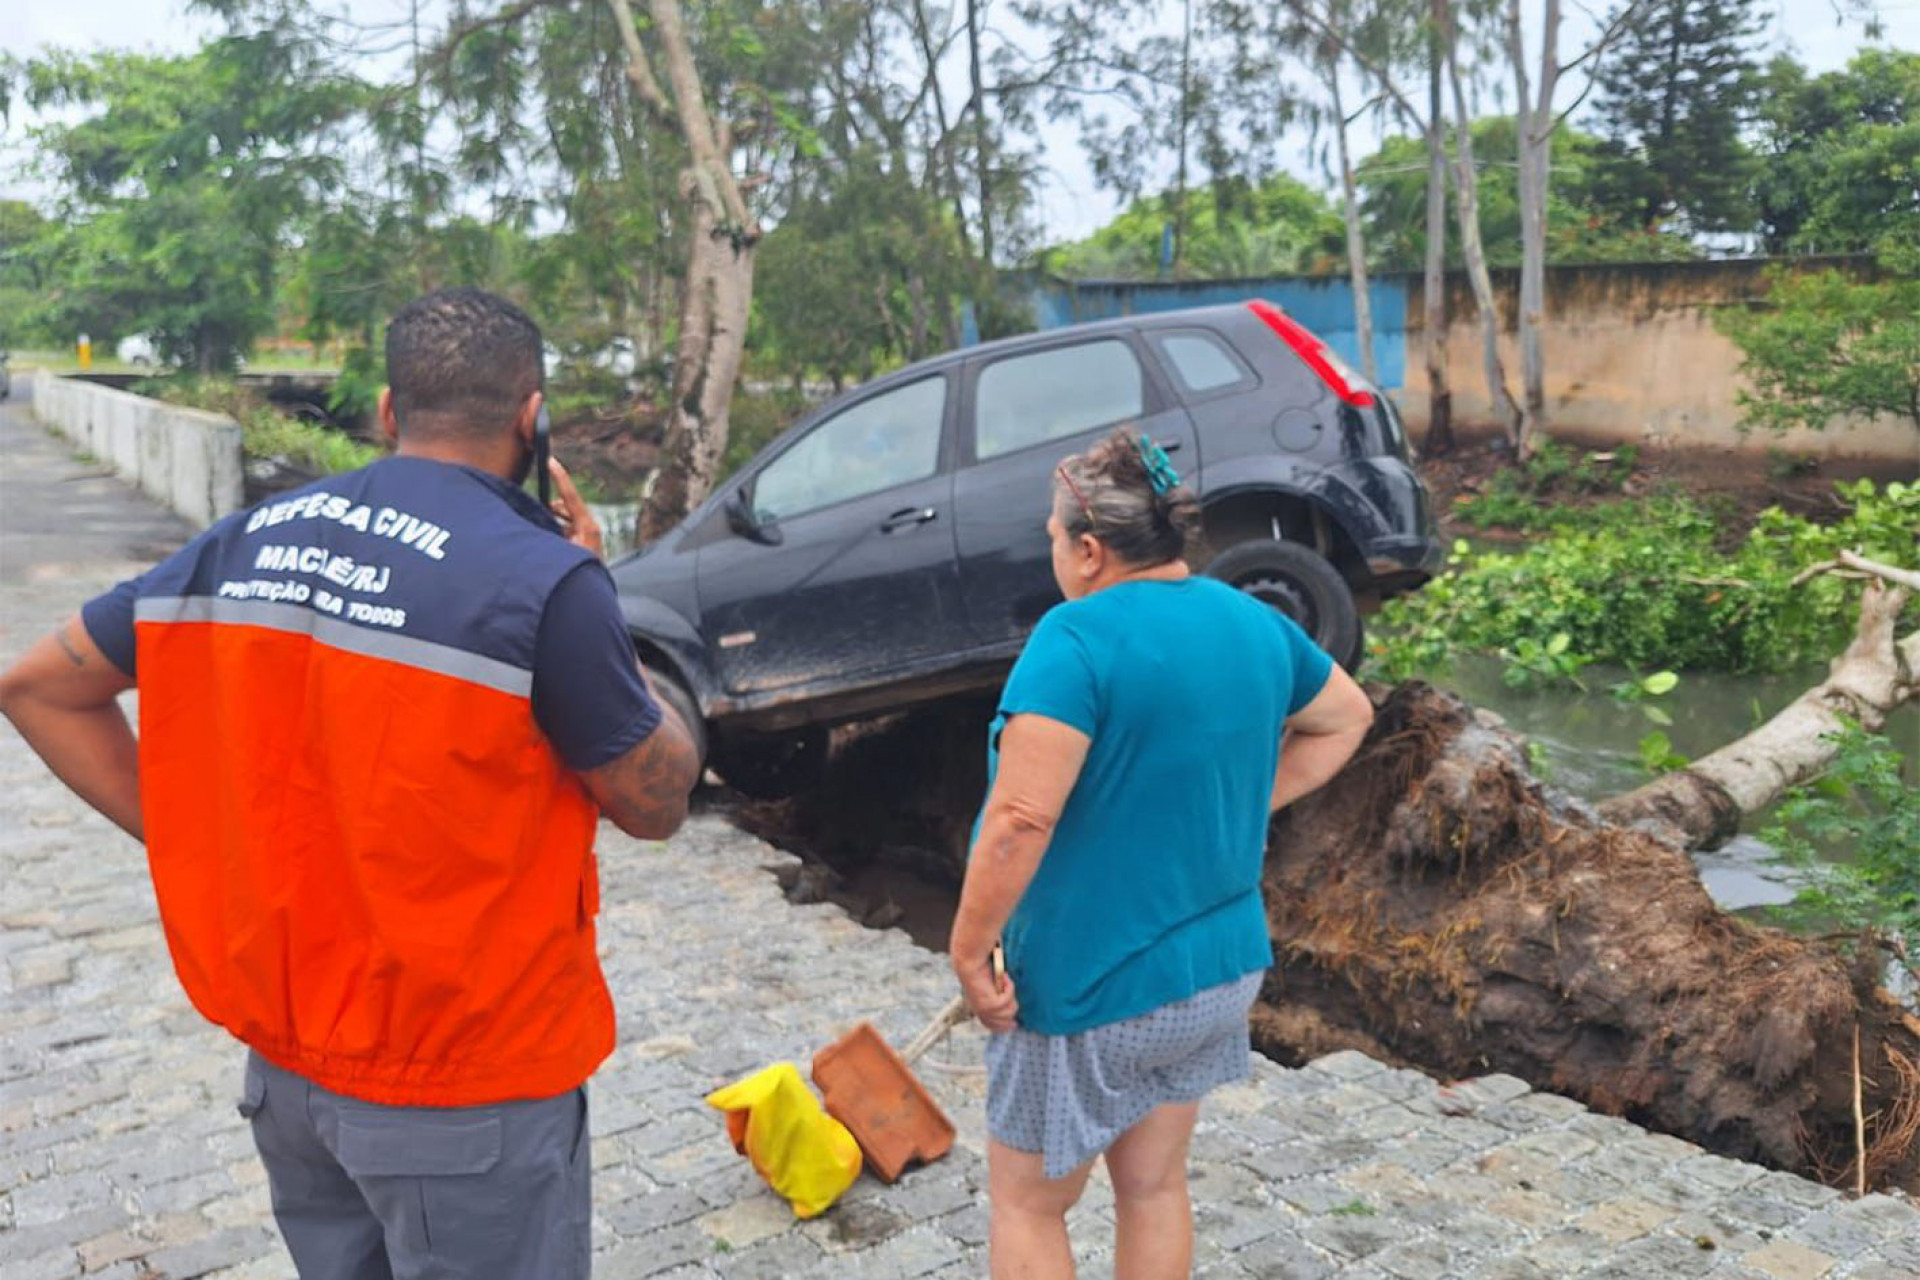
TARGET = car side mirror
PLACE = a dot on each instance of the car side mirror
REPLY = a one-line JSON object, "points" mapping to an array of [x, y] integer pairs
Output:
{"points": [[742, 520]]}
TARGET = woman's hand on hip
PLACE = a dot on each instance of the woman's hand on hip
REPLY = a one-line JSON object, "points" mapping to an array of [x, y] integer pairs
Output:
{"points": [[992, 1000]]}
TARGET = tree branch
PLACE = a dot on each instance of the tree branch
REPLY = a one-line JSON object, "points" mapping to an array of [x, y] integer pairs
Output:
{"points": [[639, 68], [1907, 578]]}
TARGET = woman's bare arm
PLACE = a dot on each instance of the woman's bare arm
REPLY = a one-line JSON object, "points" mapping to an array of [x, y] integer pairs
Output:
{"points": [[1320, 738], [1040, 760]]}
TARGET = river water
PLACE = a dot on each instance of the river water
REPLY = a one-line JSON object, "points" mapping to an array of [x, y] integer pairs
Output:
{"points": [[1591, 746]]}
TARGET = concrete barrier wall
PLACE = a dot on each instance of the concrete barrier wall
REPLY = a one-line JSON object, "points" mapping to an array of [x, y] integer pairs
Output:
{"points": [[185, 459], [1633, 356]]}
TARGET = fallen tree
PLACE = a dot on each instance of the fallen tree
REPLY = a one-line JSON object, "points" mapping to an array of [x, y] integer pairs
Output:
{"points": [[1702, 804]]}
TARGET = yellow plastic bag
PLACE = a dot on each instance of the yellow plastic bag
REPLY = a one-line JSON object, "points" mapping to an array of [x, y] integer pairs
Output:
{"points": [[776, 1122]]}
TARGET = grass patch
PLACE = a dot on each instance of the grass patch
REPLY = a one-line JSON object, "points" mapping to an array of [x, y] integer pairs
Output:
{"points": [[265, 431]]}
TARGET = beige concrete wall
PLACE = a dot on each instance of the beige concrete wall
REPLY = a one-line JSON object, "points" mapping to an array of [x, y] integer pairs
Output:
{"points": [[186, 460], [1633, 357]]}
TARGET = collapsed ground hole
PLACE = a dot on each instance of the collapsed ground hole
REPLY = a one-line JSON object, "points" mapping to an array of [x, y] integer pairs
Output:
{"points": [[1436, 907]]}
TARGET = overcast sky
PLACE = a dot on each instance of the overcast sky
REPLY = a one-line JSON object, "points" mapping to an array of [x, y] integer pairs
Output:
{"points": [[1070, 206]]}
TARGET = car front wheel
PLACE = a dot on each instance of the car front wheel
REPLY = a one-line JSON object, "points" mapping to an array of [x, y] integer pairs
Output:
{"points": [[1300, 584], [676, 695]]}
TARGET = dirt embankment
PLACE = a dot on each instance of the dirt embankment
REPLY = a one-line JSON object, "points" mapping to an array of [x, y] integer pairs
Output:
{"points": [[1739, 484], [1435, 906]]}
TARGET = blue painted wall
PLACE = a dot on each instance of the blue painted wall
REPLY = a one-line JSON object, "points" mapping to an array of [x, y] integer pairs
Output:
{"points": [[1322, 303]]}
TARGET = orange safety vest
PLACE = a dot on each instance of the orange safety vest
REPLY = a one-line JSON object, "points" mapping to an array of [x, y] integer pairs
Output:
{"points": [[371, 865]]}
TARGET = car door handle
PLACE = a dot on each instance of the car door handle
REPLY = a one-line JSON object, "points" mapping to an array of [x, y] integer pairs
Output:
{"points": [[907, 516], [1173, 446]]}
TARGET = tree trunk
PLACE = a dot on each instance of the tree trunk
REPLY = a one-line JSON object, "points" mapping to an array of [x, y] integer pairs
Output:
{"points": [[1533, 134], [713, 331], [1702, 804], [1466, 192], [978, 102], [1356, 238], [1433, 323], [722, 234]]}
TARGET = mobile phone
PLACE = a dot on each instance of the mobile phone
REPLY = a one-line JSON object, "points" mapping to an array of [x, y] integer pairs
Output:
{"points": [[542, 451]]}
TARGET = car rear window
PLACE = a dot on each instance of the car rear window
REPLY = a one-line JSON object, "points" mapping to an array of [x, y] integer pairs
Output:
{"points": [[1202, 363], [1026, 400]]}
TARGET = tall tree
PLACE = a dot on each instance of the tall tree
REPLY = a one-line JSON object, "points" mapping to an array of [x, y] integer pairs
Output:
{"points": [[1673, 101], [182, 178], [1437, 49], [1538, 117], [1840, 154], [1433, 280]]}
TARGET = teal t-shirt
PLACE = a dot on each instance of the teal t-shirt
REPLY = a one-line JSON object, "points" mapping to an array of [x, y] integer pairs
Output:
{"points": [[1150, 889]]}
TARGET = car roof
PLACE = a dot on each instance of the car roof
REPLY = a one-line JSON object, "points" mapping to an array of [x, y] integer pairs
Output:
{"points": [[1086, 328]]}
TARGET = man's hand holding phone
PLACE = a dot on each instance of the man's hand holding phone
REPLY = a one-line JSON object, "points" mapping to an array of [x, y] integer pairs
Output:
{"points": [[577, 524]]}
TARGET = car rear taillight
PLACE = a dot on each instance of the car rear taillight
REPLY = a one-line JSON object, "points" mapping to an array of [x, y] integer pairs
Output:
{"points": [[1318, 355]]}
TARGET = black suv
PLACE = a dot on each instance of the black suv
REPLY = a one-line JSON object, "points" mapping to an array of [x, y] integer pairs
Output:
{"points": [[891, 548]]}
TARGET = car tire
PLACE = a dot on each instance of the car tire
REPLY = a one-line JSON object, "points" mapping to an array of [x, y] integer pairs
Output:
{"points": [[669, 690], [773, 766], [1302, 585]]}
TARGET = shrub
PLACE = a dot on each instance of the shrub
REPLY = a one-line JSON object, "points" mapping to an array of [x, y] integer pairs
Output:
{"points": [[265, 431], [1655, 584]]}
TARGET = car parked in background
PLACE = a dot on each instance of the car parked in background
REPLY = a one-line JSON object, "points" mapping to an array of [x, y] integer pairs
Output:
{"points": [[138, 350], [891, 548]]}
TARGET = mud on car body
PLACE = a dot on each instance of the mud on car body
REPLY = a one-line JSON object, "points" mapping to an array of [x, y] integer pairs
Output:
{"points": [[891, 548]]}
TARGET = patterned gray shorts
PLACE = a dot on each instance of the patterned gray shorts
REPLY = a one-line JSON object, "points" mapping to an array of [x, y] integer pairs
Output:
{"points": [[1070, 1097]]}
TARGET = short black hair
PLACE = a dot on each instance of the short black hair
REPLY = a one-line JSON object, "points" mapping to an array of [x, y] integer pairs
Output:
{"points": [[461, 359]]}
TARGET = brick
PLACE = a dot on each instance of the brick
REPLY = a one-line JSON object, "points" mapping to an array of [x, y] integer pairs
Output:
{"points": [[1625, 1219], [643, 1214], [210, 1253], [1785, 1260]]}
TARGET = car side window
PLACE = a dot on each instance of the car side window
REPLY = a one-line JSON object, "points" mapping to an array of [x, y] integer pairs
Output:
{"points": [[1201, 362], [1027, 400], [885, 440]]}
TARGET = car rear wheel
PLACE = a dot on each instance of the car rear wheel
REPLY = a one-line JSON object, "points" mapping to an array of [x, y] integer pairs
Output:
{"points": [[773, 766], [1300, 584], [669, 690]]}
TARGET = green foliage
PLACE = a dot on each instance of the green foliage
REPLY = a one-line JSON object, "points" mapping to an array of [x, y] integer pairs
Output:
{"points": [[1655, 584], [1235, 228], [265, 431], [1534, 664], [1862, 803], [1673, 97], [1532, 496], [1585, 221], [755, 421], [27, 242], [179, 181], [1841, 151], [1827, 344], [864, 271], [1657, 755]]}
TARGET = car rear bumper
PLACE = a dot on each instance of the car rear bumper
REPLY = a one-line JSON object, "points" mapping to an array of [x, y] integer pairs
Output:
{"points": [[1403, 548]]}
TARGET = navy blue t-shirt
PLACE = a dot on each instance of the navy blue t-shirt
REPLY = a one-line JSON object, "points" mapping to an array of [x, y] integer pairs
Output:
{"points": [[588, 697]]}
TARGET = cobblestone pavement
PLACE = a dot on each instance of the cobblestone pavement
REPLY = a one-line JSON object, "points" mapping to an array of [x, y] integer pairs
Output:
{"points": [[121, 1155]]}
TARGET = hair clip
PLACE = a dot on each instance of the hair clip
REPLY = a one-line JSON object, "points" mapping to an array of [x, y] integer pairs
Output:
{"points": [[1160, 472]]}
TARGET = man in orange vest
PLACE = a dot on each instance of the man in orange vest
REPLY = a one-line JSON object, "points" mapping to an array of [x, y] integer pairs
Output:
{"points": [[380, 717]]}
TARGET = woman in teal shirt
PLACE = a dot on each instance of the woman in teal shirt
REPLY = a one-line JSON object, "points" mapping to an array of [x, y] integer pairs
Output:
{"points": [[1135, 761]]}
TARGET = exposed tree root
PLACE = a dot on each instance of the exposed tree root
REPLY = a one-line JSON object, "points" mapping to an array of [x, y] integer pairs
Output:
{"points": [[1437, 900]]}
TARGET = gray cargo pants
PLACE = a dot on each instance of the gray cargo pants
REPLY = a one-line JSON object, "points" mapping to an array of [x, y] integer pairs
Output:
{"points": [[369, 1192]]}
